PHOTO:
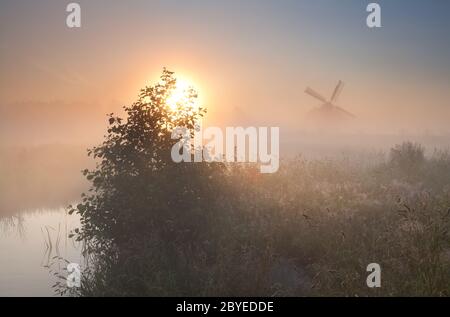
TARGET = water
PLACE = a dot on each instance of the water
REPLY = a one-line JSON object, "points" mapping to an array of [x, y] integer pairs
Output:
{"points": [[28, 244]]}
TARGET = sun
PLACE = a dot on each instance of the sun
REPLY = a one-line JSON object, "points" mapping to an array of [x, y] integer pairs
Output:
{"points": [[178, 98]]}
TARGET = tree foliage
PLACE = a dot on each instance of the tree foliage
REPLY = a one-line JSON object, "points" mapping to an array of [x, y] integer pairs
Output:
{"points": [[141, 205]]}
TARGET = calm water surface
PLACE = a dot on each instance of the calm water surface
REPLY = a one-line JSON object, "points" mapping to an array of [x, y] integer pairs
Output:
{"points": [[28, 245]]}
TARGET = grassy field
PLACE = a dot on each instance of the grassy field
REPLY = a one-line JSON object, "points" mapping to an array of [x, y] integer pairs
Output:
{"points": [[309, 230]]}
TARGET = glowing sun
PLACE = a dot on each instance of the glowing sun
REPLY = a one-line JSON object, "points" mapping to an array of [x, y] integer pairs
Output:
{"points": [[179, 97]]}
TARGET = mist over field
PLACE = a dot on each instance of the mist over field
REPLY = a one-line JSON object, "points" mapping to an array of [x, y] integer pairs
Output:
{"points": [[43, 168]]}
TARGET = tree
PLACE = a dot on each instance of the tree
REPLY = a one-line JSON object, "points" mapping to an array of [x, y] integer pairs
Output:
{"points": [[146, 218]]}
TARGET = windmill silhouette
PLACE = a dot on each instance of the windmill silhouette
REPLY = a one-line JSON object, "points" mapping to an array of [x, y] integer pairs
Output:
{"points": [[328, 113]]}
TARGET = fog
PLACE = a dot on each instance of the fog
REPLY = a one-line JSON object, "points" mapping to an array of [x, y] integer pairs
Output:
{"points": [[43, 148], [40, 177]]}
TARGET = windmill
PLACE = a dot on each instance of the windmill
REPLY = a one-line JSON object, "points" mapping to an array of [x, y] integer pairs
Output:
{"points": [[328, 113]]}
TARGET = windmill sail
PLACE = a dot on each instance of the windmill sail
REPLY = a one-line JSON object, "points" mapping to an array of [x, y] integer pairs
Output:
{"points": [[345, 111], [337, 91], [314, 94]]}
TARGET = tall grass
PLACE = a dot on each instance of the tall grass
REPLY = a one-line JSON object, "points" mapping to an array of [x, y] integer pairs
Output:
{"points": [[309, 230]]}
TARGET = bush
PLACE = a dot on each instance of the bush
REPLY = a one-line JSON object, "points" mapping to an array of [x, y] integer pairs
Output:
{"points": [[407, 157]]}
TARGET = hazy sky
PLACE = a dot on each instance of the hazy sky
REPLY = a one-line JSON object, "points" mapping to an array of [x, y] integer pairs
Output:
{"points": [[250, 59]]}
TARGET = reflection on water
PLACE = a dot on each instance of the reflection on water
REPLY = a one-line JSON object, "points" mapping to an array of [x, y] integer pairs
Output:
{"points": [[29, 245]]}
